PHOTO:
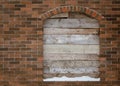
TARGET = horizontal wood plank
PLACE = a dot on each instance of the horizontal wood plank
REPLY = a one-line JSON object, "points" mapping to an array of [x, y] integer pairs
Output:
{"points": [[70, 56], [59, 31], [64, 64], [71, 39], [71, 23], [81, 49], [50, 75], [77, 15], [61, 15], [72, 70]]}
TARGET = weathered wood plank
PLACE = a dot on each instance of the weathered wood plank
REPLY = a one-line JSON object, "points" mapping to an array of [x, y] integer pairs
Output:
{"points": [[59, 31], [70, 56], [77, 15], [62, 15], [63, 64], [72, 70], [71, 39], [71, 23], [82, 49], [50, 75]]}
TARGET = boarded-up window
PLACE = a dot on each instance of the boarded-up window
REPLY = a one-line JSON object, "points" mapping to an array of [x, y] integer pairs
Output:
{"points": [[71, 46]]}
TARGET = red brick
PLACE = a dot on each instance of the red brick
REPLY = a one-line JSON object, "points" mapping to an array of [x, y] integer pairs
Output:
{"points": [[94, 14], [20, 37], [64, 9], [88, 11]]}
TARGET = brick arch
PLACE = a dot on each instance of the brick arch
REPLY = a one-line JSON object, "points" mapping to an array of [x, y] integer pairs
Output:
{"points": [[64, 9]]}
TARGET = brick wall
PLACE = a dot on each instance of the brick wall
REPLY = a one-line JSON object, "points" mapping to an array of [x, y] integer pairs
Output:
{"points": [[21, 39]]}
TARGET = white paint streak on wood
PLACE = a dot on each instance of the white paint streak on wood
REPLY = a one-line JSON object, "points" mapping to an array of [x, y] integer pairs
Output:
{"points": [[69, 56], [82, 49], [71, 23], [70, 64], [71, 39], [59, 31]]}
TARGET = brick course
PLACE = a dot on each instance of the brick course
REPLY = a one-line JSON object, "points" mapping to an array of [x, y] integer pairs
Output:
{"points": [[21, 39]]}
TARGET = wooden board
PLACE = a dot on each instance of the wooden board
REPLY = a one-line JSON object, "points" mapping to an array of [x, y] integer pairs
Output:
{"points": [[70, 56], [59, 31], [77, 15], [71, 23], [50, 75], [72, 70], [71, 46], [71, 39], [70, 64], [82, 49], [62, 15]]}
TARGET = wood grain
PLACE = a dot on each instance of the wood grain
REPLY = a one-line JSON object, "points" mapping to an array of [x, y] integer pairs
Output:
{"points": [[61, 15], [71, 23], [71, 46], [50, 75], [81, 49], [72, 70], [71, 39], [65, 31], [70, 64], [70, 56]]}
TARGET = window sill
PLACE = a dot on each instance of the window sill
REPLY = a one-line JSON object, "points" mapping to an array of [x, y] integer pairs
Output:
{"points": [[64, 78]]}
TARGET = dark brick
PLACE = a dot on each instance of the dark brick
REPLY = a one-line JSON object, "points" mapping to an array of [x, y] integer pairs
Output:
{"points": [[111, 52], [14, 2], [37, 1], [14, 62], [15, 29], [118, 32], [3, 49], [16, 9], [26, 55], [115, 15], [116, 2], [9, 59], [116, 9], [1, 25], [31, 59], [9, 32], [115, 22], [28, 22], [111, 19], [111, 39], [14, 15], [35, 9], [20, 5], [32, 19]]}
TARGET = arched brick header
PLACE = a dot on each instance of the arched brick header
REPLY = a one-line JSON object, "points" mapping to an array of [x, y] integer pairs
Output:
{"points": [[65, 9]]}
